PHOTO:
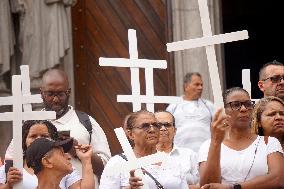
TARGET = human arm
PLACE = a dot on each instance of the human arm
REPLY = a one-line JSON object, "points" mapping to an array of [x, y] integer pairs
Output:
{"points": [[272, 179], [101, 151], [210, 170], [84, 153]]}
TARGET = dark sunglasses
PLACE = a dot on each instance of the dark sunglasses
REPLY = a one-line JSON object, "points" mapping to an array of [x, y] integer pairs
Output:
{"points": [[147, 126], [165, 124], [236, 105], [275, 78]]}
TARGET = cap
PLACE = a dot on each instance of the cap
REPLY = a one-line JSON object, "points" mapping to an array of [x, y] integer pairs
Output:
{"points": [[38, 148]]}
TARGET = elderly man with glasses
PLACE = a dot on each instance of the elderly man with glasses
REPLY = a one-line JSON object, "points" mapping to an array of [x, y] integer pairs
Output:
{"points": [[187, 157], [271, 79]]}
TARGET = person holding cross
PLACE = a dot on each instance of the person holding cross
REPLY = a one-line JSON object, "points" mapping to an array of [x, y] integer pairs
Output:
{"points": [[55, 92], [235, 157], [271, 79], [142, 129], [193, 115], [34, 129]]}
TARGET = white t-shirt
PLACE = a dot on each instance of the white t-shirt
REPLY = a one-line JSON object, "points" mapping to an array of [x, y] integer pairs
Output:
{"points": [[30, 181], [170, 174], [188, 159], [235, 165], [192, 120]]}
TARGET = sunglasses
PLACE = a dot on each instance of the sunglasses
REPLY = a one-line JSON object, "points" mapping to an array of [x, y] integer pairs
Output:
{"points": [[147, 126], [275, 78], [236, 105], [165, 124]]}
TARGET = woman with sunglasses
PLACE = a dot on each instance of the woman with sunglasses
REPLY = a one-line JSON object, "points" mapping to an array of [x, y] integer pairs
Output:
{"points": [[268, 118], [142, 129], [236, 158], [44, 129]]}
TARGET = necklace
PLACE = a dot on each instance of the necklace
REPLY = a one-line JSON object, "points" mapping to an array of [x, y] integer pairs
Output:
{"points": [[253, 159]]}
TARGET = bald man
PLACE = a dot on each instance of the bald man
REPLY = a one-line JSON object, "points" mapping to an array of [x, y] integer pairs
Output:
{"points": [[271, 79], [55, 92]]}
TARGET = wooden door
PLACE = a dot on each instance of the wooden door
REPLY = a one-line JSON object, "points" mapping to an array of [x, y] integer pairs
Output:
{"points": [[100, 30]]}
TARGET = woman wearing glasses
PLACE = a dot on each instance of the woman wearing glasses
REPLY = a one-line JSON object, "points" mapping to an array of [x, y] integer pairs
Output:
{"points": [[235, 157], [268, 118], [142, 129]]}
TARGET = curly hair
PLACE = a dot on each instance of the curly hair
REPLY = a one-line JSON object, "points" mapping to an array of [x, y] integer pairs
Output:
{"points": [[257, 112], [28, 124]]}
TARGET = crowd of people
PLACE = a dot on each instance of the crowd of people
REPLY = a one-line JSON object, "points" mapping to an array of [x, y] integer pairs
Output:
{"points": [[239, 146]]}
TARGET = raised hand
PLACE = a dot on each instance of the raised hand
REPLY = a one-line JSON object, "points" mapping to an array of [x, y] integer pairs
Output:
{"points": [[219, 126], [13, 176]]}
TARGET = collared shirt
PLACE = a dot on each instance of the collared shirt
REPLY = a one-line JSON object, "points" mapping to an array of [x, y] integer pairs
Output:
{"points": [[192, 120], [189, 162], [170, 174]]}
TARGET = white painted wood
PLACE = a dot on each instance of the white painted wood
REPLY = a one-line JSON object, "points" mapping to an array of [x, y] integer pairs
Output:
{"points": [[134, 163], [247, 83], [134, 64], [208, 41], [17, 116]]}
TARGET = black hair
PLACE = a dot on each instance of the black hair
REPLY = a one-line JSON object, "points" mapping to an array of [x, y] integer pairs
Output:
{"points": [[231, 90], [262, 69], [28, 124]]}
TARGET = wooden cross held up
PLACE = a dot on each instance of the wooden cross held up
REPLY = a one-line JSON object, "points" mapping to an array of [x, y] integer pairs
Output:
{"points": [[134, 64], [208, 41], [17, 116], [133, 162]]}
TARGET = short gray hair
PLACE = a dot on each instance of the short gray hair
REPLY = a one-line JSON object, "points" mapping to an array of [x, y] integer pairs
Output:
{"points": [[187, 78]]}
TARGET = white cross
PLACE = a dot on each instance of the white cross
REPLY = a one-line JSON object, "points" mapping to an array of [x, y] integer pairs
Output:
{"points": [[209, 41], [246, 82], [134, 63], [18, 100], [134, 163]]}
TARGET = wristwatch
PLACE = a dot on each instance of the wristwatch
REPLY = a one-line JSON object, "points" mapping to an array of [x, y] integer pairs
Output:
{"points": [[237, 186]]}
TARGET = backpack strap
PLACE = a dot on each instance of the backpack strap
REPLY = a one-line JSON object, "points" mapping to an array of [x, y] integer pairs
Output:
{"points": [[158, 184], [265, 139], [85, 120]]}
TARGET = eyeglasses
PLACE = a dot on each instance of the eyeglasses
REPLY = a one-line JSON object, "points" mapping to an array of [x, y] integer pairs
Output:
{"points": [[147, 126], [59, 94], [165, 124], [275, 78], [236, 105]]}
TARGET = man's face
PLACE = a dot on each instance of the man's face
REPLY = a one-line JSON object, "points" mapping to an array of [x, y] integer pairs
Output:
{"points": [[167, 131], [271, 87], [55, 94], [194, 88]]}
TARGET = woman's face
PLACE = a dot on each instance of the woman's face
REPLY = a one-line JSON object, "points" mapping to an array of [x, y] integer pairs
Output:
{"points": [[142, 134], [239, 107], [37, 131], [272, 119]]}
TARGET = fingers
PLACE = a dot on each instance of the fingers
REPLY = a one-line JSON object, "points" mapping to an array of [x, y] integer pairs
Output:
{"points": [[134, 182], [217, 114], [14, 175]]}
